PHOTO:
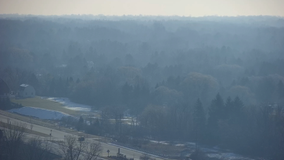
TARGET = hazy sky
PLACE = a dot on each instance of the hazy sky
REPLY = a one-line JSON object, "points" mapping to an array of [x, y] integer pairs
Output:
{"points": [[144, 7]]}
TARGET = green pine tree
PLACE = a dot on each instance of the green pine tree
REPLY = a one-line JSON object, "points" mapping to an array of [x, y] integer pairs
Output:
{"points": [[199, 121]]}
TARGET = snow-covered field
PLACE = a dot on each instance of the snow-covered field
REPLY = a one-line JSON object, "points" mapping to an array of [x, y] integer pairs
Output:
{"points": [[39, 113], [70, 105]]}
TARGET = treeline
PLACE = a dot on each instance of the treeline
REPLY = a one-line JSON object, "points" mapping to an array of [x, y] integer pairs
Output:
{"points": [[129, 87], [159, 68], [154, 61], [6, 104], [251, 130]]}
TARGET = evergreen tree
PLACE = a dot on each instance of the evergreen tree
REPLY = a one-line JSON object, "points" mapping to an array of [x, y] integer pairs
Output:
{"points": [[236, 110], [216, 113], [238, 105], [126, 91], [233, 109], [228, 107], [280, 92], [157, 85], [233, 127], [80, 123], [78, 80], [199, 121]]}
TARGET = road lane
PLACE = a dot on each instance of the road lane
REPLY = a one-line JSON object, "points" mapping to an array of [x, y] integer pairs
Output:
{"points": [[59, 135]]}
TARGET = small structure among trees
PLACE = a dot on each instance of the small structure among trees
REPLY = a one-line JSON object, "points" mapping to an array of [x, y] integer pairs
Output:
{"points": [[26, 91]]}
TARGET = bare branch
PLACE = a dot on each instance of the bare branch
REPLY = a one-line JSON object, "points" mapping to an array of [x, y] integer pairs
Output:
{"points": [[94, 151], [71, 148]]}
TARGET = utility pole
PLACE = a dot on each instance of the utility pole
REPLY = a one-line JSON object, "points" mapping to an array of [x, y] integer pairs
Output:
{"points": [[50, 134], [108, 153]]}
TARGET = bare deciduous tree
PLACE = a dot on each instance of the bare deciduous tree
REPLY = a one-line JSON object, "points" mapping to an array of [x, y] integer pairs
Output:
{"points": [[38, 149], [73, 149], [146, 157], [14, 146], [12, 136], [94, 151], [14, 132]]}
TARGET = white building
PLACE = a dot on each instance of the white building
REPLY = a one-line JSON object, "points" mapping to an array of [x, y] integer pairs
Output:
{"points": [[26, 91]]}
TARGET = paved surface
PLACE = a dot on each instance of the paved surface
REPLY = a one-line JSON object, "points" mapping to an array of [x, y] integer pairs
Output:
{"points": [[59, 135]]}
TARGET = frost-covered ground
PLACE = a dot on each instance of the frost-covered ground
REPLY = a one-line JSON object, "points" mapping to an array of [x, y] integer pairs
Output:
{"points": [[213, 153], [39, 113], [70, 105], [227, 156]]}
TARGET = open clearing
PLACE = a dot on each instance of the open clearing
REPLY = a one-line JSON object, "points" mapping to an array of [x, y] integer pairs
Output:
{"points": [[39, 102]]}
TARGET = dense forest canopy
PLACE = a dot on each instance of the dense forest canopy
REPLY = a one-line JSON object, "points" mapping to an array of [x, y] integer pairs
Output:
{"points": [[213, 80], [184, 58]]}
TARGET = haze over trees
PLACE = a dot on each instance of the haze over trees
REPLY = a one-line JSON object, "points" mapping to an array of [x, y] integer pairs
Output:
{"points": [[212, 80]]}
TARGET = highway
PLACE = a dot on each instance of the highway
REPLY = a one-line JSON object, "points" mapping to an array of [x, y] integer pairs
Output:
{"points": [[58, 135]]}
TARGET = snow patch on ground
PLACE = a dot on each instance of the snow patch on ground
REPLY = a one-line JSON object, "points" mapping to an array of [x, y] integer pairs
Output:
{"points": [[39, 113], [119, 146], [227, 156], [70, 105], [160, 142]]}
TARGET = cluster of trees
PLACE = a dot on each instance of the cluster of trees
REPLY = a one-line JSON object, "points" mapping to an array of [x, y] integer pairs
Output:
{"points": [[14, 146], [165, 72], [73, 149], [251, 130], [191, 57], [228, 124], [5, 103]]}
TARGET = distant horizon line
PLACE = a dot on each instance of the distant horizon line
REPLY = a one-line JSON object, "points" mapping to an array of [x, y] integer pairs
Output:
{"points": [[129, 15]]}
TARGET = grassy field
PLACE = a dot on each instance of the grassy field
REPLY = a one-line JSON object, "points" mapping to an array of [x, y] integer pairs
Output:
{"points": [[38, 102]]}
